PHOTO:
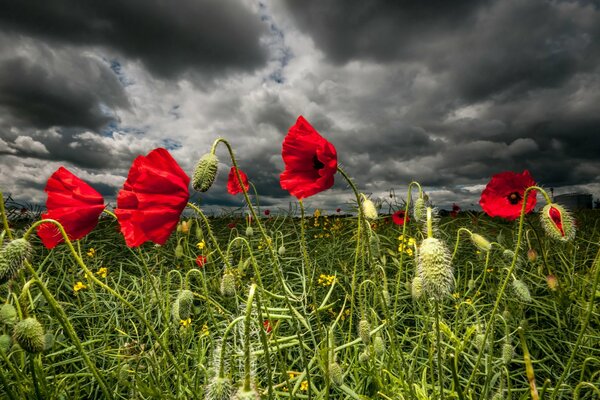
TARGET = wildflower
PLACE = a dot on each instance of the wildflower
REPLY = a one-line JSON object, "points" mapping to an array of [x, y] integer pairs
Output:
{"points": [[326, 280], [201, 245], [79, 286], [185, 322], [406, 245], [338, 210], [205, 172], [102, 272], [557, 222], [267, 326], [267, 212], [233, 184], [204, 331], [201, 260], [398, 217], [455, 210], [304, 386], [310, 161], [152, 198], [91, 252], [317, 213], [503, 195], [73, 203]]}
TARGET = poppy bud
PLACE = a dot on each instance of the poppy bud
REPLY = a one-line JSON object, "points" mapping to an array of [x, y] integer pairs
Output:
{"points": [[368, 208], [480, 242], [178, 251], [435, 269], [508, 254], [12, 258], [478, 342], [249, 231], [386, 297], [379, 345], [205, 172], [336, 374], [364, 357], [531, 255], [557, 222], [29, 334], [48, 341], [185, 301], [419, 210], [416, 288], [364, 331], [219, 389], [281, 250], [8, 314], [471, 284], [228, 285], [552, 282], [507, 352], [5, 343], [521, 290]]}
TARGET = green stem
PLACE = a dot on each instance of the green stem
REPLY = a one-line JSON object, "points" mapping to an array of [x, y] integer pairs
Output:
{"points": [[247, 322], [439, 349], [5, 218], [223, 344]]}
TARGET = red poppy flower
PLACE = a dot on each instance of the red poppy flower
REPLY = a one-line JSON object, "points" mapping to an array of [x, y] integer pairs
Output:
{"points": [[398, 217], [267, 212], [233, 185], [267, 326], [201, 260], [310, 161], [73, 203], [338, 210], [503, 195], [231, 225], [152, 198]]}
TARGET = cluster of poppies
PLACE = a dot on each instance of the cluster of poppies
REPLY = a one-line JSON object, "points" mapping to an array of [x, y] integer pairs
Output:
{"points": [[156, 191]]}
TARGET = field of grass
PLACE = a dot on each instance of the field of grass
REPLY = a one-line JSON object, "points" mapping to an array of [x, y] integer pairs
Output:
{"points": [[321, 307]]}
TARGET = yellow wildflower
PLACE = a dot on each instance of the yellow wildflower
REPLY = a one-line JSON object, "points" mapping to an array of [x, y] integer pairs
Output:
{"points": [[304, 386], [204, 330], [317, 213], [456, 295], [102, 272], [91, 252], [79, 286], [326, 280], [201, 245], [185, 322]]}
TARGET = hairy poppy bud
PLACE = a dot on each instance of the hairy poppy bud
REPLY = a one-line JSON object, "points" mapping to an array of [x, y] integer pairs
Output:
{"points": [[420, 210], [228, 285], [480, 242], [379, 345], [368, 208], [281, 250], [219, 389], [531, 255], [364, 331], [552, 282], [242, 394], [507, 352], [205, 172], [521, 290], [29, 334], [5, 343], [435, 269], [12, 258], [557, 222], [185, 301], [249, 231], [364, 357], [178, 251], [336, 374], [416, 288], [8, 314]]}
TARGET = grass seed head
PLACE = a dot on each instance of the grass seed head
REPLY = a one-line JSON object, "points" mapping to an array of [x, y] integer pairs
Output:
{"points": [[29, 334], [434, 269], [205, 172]]}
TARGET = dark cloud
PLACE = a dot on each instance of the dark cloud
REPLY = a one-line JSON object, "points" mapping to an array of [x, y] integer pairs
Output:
{"points": [[211, 36]]}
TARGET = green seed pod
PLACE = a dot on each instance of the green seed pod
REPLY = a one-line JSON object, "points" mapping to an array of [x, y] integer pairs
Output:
{"points": [[480, 242], [12, 258], [368, 208], [8, 314], [219, 389], [416, 289], [336, 374], [281, 250], [185, 299], [48, 341], [364, 331], [249, 231], [379, 345], [419, 210], [521, 290], [478, 342], [435, 269], [179, 251], [557, 222], [364, 356], [507, 353], [228, 285], [205, 172], [5, 343], [471, 284], [29, 334]]}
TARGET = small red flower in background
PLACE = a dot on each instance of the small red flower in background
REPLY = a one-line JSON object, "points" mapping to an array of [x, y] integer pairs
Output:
{"points": [[267, 326], [200, 261], [231, 225], [503, 195], [152, 199], [310, 161], [338, 210], [73, 203], [233, 185], [267, 212], [455, 210], [398, 217]]}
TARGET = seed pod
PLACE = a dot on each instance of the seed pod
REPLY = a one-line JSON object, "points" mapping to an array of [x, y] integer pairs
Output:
{"points": [[379, 345], [336, 374], [186, 302], [364, 331], [521, 290], [228, 285], [8, 314], [435, 269], [12, 258], [480, 242], [205, 172], [507, 353], [29, 334]]}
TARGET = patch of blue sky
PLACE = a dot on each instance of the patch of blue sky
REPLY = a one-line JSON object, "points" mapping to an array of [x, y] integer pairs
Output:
{"points": [[171, 144]]}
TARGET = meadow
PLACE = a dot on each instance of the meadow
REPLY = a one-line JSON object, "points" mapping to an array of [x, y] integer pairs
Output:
{"points": [[374, 301]]}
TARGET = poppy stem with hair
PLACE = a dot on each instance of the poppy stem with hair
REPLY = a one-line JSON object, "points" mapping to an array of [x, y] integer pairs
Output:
{"points": [[507, 279], [5, 218], [97, 281]]}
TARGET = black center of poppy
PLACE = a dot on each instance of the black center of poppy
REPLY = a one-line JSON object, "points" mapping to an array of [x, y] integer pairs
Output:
{"points": [[316, 163], [514, 198]]}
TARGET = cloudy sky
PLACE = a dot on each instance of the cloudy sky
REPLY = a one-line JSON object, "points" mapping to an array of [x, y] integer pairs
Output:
{"points": [[443, 92]]}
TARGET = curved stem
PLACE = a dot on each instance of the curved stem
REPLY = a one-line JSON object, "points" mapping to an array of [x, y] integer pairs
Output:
{"points": [[5, 218], [461, 229]]}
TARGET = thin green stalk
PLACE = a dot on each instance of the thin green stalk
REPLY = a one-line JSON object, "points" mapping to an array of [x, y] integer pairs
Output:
{"points": [[5, 218], [439, 349], [247, 322]]}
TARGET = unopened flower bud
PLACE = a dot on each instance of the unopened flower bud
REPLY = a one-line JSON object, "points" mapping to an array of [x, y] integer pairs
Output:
{"points": [[228, 285], [471, 284], [552, 282], [364, 331], [12, 258], [8, 314], [435, 269], [368, 208], [336, 374], [521, 290], [219, 389], [29, 334], [281, 250], [178, 251], [379, 345], [416, 288], [5, 343], [185, 300], [249, 231], [531, 255], [205, 172], [557, 222], [507, 353], [480, 242], [419, 210]]}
